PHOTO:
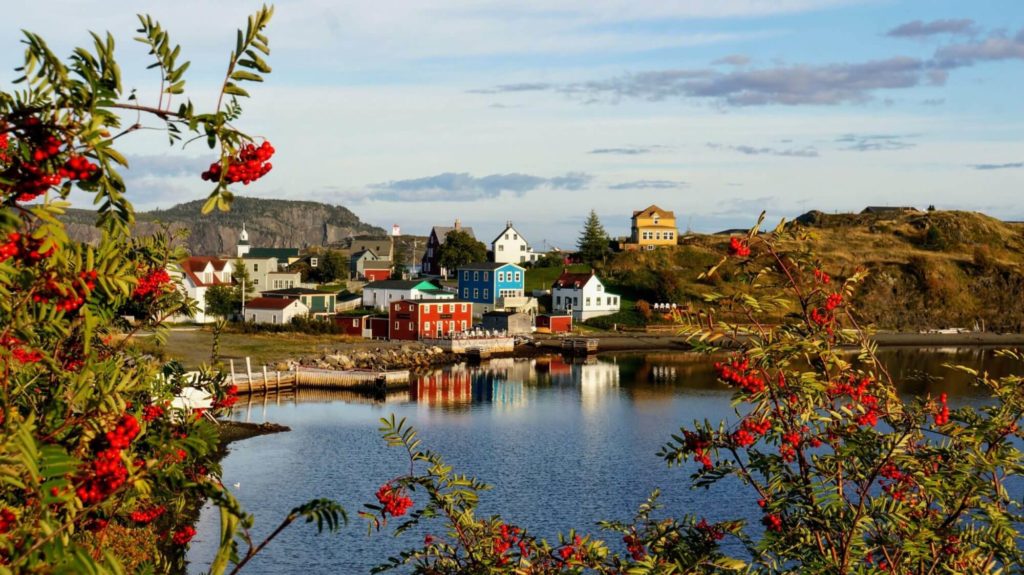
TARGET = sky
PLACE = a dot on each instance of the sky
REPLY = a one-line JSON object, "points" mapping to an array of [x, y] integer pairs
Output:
{"points": [[418, 113]]}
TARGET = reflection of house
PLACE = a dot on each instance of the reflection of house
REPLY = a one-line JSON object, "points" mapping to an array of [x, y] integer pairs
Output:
{"points": [[274, 310], [419, 319], [196, 274], [316, 302], [511, 247], [379, 295], [431, 258], [583, 295], [513, 323], [652, 228], [597, 380], [444, 386], [486, 284]]}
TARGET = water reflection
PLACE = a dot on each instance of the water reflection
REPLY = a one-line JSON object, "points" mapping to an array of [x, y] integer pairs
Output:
{"points": [[576, 436]]}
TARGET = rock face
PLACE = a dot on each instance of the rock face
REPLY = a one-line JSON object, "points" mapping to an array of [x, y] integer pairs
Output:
{"points": [[270, 223]]}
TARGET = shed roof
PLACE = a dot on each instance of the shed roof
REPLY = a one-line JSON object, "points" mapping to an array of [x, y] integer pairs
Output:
{"points": [[270, 303]]}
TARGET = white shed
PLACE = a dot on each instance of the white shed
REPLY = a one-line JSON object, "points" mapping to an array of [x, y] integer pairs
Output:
{"points": [[274, 310]]}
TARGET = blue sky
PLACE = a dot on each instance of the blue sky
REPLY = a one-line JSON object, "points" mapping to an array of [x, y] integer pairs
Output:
{"points": [[537, 111]]}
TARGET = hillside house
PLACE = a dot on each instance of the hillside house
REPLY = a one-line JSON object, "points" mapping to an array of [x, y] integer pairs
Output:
{"points": [[265, 273], [274, 310], [652, 228], [429, 318], [583, 296], [511, 247], [430, 265], [487, 284], [377, 271], [365, 264], [317, 303], [380, 294], [195, 275], [383, 248]]}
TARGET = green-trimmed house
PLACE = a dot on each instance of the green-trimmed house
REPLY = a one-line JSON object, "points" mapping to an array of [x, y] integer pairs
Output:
{"points": [[380, 294], [319, 303]]}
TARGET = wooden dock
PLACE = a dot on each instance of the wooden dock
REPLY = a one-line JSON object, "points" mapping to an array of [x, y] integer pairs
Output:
{"points": [[579, 345], [265, 381]]}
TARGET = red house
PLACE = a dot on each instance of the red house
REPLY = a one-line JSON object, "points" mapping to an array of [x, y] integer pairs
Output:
{"points": [[429, 318], [377, 271], [355, 325], [379, 327], [551, 323]]}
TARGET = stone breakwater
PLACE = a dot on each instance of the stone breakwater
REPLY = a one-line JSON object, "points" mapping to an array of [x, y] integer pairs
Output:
{"points": [[409, 356]]}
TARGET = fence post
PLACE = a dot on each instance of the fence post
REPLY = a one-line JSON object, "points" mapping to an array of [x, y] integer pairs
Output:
{"points": [[248, 371], [266, 380], [233, 379]]}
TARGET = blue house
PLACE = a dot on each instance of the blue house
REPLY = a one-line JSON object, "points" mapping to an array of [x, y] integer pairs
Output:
{"points": [[486, 283]]}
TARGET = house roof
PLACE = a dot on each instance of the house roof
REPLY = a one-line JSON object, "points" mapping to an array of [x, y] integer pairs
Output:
{"points": [[377, 265], [442, 232], [377, 246], [488, 266], [270, 303], [356, 256], [296, 291], [422, 301], [503, 313], [508, 227], [573, 280], [279, 253], [651, 210], [194, 265], [402, 284]]}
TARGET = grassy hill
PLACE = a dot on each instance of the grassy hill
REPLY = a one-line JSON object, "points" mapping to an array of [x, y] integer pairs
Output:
{"points": [[927, 270]]}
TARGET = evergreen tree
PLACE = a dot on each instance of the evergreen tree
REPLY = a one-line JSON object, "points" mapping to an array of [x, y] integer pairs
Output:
{"points": [[243, 283], [593, 242]]}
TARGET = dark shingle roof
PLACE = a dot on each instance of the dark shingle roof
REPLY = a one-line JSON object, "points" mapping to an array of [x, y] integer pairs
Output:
{"points": [[269, 303], [279, 253], [486, 266]]}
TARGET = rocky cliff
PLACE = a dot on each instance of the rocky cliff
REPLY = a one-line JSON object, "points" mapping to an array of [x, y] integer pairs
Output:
{"points": [[270, 223]]}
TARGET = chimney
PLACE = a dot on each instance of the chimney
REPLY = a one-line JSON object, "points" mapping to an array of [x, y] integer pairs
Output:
{"points": [[458, 224]]}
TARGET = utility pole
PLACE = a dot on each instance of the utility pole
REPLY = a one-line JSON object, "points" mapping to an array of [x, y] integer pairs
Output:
{"points": [[243, 299], [412, 258]]}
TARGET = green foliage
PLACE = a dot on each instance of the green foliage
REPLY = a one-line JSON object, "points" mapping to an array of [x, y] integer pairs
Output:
{"points": [[222, 301], [93, 453], [593, 243], [332, 266], [460, 248]]}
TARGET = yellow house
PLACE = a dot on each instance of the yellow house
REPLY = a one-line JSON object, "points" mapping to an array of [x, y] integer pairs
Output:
{"points": [[653, 227]]}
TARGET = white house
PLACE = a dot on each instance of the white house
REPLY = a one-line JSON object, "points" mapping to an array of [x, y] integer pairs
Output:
{"points": [[380, 294], [195, 275], [510, 247], [582, 295], [274, 310], [265, 274]]}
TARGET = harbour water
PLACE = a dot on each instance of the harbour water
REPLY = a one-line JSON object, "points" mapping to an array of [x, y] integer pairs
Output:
{"points": [[564, 445]]}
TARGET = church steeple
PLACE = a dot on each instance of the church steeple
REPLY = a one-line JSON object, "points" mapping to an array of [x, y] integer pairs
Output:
{"points": [[243, 242]]}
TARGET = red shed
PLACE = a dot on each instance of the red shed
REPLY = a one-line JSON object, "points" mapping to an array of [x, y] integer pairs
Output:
{"points": [[426, 318], [379, 327], [551, 323], [377, 275], [355, 325]]}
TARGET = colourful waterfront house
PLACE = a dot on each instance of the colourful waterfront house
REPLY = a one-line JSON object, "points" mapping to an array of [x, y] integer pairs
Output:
{"points": [[582, 295], [652, 228], [487, 284], [380, 294], [318, 303], [429, 318]]}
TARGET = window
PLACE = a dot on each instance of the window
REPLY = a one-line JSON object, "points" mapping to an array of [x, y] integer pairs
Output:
{"points": [[501, 247], [255, 267], [451, 308], [657, 235], [256, 281], [476, 276], [462, 325], [396, 325], [426, 326], [486, 293], [501, 276], [598, 301], [517, 276], [575, 300], [426, 308], [487, 276], [462, 307], [411, 328], [588, 301], [451, 326], [522, 247], [476, 293], [465, 276], [506, 236], [600, 287], [558, 300], [465, 292], [313, 262], [515, 236]]}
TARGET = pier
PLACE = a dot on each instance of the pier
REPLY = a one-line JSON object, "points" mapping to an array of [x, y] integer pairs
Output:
{"points": [[264, 380]]}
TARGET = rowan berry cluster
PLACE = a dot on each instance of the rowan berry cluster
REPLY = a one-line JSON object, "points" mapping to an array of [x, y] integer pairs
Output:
{"points": [[393, 499], [942, 415], [821, 276], [23, 249], [634, 546], [183, 535], [248, 166], [713, 532], [773, 522], [66, 298], [230, 398], [154, 283], [698, 444], [572, 551], [152, 412], [738, 247], [107, 472], [508, 537], [32, 177], [858, 392], [738, 372], [147, 514], [750, 431], [7, 520], [20, 353], [900, 484]]}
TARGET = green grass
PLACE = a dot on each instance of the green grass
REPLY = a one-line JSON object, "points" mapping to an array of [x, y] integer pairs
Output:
{"points": [[542, 278]]}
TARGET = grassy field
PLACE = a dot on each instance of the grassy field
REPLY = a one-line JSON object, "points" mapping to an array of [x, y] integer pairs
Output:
{"points": [[192, 346]]}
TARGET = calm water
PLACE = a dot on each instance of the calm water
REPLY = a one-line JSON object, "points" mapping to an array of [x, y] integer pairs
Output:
{"points": [[565, 445]]}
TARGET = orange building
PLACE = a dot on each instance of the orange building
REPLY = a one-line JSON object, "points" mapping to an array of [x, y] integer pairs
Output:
{"points": [[652, 228]]}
